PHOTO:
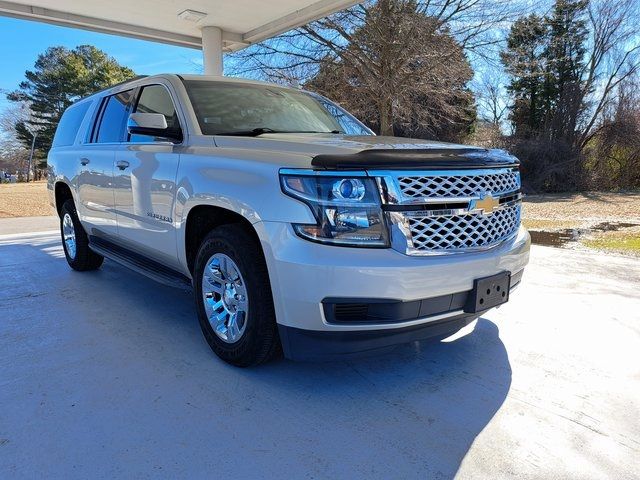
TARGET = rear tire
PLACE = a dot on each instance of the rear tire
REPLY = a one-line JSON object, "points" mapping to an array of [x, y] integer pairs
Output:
{"points": [[235, 269], [75, 241]]}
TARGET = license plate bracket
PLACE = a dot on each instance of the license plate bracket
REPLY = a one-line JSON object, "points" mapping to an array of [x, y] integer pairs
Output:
{"points": [[488, 292]]}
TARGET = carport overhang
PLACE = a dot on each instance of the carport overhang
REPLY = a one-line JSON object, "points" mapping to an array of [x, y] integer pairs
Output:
{"points": [[215, 26]]}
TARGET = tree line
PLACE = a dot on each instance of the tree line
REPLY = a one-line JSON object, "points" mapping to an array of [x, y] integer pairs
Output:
{"points": [[557, 86], [573, 83]]}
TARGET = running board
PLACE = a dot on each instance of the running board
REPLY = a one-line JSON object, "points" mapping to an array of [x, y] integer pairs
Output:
{"points": [[138, 263]]}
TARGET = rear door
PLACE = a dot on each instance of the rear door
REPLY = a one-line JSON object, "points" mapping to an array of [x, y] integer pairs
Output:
{"points": [[67, 154], [145, 188], [96, 180]]}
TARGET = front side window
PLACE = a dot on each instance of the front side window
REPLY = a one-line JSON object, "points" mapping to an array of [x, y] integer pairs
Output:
{"points": [[114, 117], [156, 99], [227, 108]]}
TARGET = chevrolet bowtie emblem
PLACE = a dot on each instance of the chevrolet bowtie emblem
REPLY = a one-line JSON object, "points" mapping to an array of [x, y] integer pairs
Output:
{"points": [[486, 203]]}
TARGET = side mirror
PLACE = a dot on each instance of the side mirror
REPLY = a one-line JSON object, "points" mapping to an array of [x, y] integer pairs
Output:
{"points": [[153, 125]]}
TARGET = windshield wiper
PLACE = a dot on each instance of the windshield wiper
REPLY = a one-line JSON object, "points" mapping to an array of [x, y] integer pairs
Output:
{"points": [[259, 131], [250, 133]]}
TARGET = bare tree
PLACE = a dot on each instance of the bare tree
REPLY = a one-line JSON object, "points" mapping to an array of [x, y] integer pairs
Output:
{"points": [[476, 24], [383, 60], [613, 57], [615, 155], [13, 155], [491, 96], [408, 84]]}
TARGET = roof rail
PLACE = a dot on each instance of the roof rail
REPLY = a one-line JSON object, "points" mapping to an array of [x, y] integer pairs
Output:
{"points": [[137, 77]]}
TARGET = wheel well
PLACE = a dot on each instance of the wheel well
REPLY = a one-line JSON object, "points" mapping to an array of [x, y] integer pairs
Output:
{"points": [[204, 218], [63, 193]]}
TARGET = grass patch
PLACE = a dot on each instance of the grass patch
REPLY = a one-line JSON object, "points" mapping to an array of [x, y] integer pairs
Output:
{"points": [[621, 242], [24, 199]]}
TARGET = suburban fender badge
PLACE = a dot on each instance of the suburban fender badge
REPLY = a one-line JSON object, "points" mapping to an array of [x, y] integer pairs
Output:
{"points": [[486, 203], [162, 218]]}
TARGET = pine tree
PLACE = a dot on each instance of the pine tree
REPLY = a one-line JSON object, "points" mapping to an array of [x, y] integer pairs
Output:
{"points": [[60, 77], [545, 59], [524, 61]]}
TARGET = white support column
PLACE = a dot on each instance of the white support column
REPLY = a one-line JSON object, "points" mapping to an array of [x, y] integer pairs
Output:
{"points": [[212, 50]]}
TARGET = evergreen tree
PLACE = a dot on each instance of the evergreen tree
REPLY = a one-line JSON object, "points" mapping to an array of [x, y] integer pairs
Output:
{"points": [[545, 59], [525, 63], [59, 78]]}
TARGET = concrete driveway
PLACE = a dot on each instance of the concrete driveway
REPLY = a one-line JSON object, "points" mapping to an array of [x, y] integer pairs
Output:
{"points": [[106, 375]]}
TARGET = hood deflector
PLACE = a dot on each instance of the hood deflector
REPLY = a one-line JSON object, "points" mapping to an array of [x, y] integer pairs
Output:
{"points": [[416, 159]]}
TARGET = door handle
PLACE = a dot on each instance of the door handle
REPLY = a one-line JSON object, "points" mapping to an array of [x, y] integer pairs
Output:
{"points": [[84, 161], [122, 164]]}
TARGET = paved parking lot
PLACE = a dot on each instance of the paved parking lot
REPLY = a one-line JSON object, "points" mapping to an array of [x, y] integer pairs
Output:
{"points": [[106, 375]]}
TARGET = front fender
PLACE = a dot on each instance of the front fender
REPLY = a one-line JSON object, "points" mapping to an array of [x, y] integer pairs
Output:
{"points": [[238, 181]]}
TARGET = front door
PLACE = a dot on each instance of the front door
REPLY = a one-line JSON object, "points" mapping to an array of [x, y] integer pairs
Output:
{"points": [[145, 189]]}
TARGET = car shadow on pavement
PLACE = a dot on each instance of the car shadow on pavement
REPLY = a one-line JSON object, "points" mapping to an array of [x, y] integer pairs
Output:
{"points": [[413, 412], [427, 401]]}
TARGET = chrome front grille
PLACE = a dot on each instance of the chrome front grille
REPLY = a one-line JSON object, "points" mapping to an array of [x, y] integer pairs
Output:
{"points": [[450, 233], [462, 185], [451, 211]]}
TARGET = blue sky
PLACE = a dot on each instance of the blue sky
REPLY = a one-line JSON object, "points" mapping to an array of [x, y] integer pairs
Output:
{"points": [[23, 40]]}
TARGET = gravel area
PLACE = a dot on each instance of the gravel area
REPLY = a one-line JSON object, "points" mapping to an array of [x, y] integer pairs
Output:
{"points": [[583, 207], [24, 200]]}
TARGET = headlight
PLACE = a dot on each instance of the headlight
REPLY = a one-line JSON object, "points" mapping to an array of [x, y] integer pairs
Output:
{"points": [[347, 209]]}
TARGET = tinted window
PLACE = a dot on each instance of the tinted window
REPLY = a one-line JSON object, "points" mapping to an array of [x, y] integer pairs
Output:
{"points": [[156, 99], [69, 124], [114, 117]]}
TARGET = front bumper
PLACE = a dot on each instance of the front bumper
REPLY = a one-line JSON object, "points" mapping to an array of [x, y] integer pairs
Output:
{"points": [[313, 345], [443, 321], [304, 274]]}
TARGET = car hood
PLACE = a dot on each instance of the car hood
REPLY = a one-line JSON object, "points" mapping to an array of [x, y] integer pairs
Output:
{"points": [[316, 144], [334, 151]]}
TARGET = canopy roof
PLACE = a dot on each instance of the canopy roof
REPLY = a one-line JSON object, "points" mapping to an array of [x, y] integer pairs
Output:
{"points": [[178, 22]]}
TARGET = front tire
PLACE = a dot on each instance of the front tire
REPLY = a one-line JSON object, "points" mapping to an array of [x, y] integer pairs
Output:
{"points": [[233, 297], [75, 241]]}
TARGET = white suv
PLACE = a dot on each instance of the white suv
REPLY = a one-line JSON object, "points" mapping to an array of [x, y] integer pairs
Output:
{"points": [[297, 228]]}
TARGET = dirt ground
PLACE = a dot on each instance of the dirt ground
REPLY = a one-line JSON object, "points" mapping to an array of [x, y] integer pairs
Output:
{"points": [[24, 200], [567, 210], [547, 211], [608, 222]]}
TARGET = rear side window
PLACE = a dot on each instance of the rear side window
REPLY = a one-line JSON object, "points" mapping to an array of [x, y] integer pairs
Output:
{"points": [[69, 124], [156, 99], [114, 117]]}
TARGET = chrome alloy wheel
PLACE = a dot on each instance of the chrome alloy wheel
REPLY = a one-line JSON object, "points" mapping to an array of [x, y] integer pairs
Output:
{"points": [[69, 235], [225, 297]]}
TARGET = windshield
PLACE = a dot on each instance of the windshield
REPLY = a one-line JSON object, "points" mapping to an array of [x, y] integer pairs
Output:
{"points": [[226, 108]]}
